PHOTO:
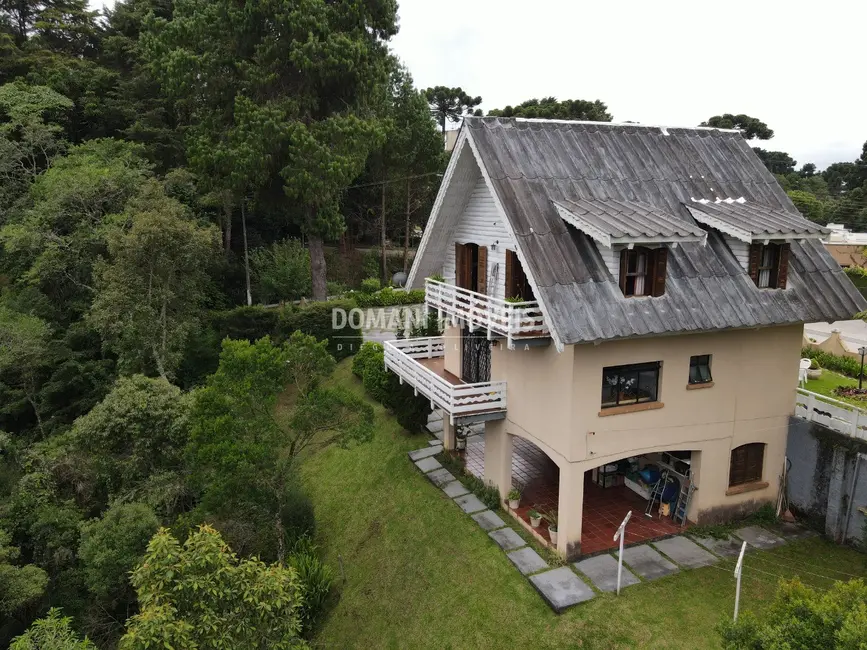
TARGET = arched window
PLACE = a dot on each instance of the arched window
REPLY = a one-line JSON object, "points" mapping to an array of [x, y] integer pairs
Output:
{"points": [[747, 462]]}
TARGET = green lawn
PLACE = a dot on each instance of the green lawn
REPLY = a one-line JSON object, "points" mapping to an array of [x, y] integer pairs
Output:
{"points": [[421, 574], [828, 381]]}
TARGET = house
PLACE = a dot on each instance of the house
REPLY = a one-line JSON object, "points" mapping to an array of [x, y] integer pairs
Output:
{"points": [[626, 307], [845, 246]]}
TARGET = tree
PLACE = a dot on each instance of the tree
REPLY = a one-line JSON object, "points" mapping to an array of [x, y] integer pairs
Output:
{"points": [[19, 585], [808, 205], [200, 595], [24, 340], [751, 127], [801, 617], [253, 119], [449, 104], [281, 271], [243, 447], [53, 632], [778, 162], [149, 294], [551, 108], [808, 170]]}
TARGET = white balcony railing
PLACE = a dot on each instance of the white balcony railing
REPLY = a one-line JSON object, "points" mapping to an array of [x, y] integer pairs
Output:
{"points": [[514, 320], [419, 362], [832, 413]]}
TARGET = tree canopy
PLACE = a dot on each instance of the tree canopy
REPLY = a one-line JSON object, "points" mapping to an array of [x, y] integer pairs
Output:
{"points": [[551, 108], [751, 127], [450, 104]]}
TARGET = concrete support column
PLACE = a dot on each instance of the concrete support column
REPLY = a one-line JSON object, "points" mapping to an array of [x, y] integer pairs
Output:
{"points": [[570, 510], [498, 456], [448, 433]]}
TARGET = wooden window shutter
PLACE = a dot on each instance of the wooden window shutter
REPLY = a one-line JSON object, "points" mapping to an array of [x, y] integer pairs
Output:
{"points": [[755, 260], [511, 289], [483, 270], [660, 263], [623, 263], [783, 266], [460, 275]]}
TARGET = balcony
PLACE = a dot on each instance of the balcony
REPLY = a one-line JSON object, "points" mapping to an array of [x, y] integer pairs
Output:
{"points": [[831, 413], [513, 320], [421, 364]]}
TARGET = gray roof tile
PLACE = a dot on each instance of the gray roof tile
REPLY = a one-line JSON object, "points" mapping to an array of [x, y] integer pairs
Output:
{"points": [[758, 220], [630, 219]]}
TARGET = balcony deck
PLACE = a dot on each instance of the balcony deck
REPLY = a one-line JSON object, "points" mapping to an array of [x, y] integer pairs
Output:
{"points": [[438, 365]]}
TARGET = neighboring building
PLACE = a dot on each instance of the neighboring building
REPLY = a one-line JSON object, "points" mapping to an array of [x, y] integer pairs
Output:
{"points": [[451, 139], [845, 246], [620, 296]]}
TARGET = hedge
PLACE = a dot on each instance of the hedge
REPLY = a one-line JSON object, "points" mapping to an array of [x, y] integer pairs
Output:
{"points": [[389, 297], [848, 366], [410, 410]]}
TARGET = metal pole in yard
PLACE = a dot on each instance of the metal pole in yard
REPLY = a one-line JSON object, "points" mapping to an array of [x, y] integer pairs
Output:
{"points": [[621, 535], [739, 569], [862, 351]]}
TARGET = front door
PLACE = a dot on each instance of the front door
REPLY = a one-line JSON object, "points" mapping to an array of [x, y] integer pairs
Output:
{"points": [[475, 356]]}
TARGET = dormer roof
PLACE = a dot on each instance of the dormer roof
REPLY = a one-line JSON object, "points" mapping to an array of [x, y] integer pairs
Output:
{"points": [[751, 222]]}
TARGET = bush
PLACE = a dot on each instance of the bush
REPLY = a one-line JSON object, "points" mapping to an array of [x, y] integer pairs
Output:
{"points": [[848, 366], [368, 351], [487, 492], [335, 289], [250, 323], [315, 319], [281, 272], [316, 581], [370, 285], [390, 297]]}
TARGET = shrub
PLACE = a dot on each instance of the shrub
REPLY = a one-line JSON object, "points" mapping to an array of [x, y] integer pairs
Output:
{"points": [[368, 351], [316, 580], [487, 492], [250, 323], [315, 319], [390, 297], [370, 285], [844, 365], [814, 365], [281, 271], [335, 289]]}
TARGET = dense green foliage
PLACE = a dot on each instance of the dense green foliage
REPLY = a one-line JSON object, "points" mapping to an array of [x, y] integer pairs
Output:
{"points": [[802, 617], [553, 109], [848, 366], [389, 297], [450, 104]]}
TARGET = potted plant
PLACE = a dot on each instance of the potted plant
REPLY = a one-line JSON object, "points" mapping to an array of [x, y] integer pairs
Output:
{"points": [[535, 518], [815, 370], [461, 433], [551, 517], [514, 498]]}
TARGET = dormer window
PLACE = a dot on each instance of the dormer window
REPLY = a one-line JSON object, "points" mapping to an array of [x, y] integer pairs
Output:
{"points": [[769, 265], [642, 271]]}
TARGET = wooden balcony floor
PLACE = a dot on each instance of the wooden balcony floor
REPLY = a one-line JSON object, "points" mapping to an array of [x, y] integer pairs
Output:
{"points": [[438, 366]]}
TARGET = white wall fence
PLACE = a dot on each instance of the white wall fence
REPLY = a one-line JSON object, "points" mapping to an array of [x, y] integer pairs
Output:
{"points": [[402, 357], [834, 414]]}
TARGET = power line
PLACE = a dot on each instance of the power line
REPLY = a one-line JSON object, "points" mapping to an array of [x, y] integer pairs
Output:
{"points": [[394, 180]]}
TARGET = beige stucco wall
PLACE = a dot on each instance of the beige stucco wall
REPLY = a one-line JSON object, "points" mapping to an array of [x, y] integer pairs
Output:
{"points": [[554, 401]]}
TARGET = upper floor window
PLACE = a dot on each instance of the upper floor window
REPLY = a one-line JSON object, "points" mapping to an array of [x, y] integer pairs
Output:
{"points": [[769, 265], [642, 271], [623, 385], [699, 369], [746, 464]]}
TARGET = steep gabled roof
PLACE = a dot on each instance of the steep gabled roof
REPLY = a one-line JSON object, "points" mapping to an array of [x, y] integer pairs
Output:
{"points": [[531, 165]]}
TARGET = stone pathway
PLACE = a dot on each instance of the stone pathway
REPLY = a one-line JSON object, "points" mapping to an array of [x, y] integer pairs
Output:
{"points": [[562, 587]]}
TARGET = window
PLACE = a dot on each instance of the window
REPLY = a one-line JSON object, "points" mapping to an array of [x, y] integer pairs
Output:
{"points": [[642, 271], [769, 265], [746, 464], [623, 385], [699, 369]]}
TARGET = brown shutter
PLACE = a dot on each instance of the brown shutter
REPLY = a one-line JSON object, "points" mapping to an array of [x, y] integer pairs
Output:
{"points": [[660, 263], [483, 270], [783, 266], [511, 290], [623, 263], [755, 259], [737, 466], [460, 275]]}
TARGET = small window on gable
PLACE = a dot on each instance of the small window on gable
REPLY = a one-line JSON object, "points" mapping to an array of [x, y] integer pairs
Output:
{"points": [[769, 265], [642, 271], [699, 369], [746, 465]]}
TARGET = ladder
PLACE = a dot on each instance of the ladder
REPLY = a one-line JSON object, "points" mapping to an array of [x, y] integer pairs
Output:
{"points": [[687, 487], [656, 493]]}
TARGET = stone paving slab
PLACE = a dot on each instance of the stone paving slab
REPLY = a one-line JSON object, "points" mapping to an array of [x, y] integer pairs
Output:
{"points": [[488, 520], [435, 443], [789, 531], [435, 416], [602, 572], [455, 489], [470, 503], [685, 552], [428, 464], [758, 537], [507, 539], [425, 452], [647, 562], [728, 547], [435, 426], [441, 477], [561, 588], [527, 561]]}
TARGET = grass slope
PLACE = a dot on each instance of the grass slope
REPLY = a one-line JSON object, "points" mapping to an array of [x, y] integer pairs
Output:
{"points": [[421, 574]]}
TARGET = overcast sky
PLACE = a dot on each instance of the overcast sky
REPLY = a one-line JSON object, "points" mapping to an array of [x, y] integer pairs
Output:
{"points": [[669, 62]]}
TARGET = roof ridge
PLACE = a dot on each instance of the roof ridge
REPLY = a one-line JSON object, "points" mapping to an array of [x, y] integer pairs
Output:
{"points": [[544, 120]]}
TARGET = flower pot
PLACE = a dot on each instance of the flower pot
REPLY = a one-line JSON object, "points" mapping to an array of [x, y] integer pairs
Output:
{"points": [[513, 504], [460, 444], [552, 533], [814, 374], [535, 521]]}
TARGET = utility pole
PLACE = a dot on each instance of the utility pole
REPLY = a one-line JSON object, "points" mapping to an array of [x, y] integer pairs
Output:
{"points": [[621, 535], [739, 569]]}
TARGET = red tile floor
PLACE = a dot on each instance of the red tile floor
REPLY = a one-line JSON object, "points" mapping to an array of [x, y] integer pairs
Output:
{"points": [[538, 478]]}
